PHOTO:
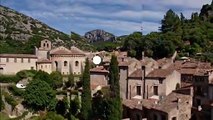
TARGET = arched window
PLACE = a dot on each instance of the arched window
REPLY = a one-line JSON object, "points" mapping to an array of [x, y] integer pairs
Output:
{"points": [[47, 45], [65, 63], [44, 44], [1, 70], [76, 63]]}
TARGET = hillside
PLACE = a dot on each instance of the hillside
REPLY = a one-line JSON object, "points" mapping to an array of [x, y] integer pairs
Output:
{"points": [[99, 36], [17, 29]]}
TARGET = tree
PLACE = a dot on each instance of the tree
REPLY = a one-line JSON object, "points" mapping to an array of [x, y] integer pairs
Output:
{"points": [[53, 116], [171, 22], [39, 95], [60, 107], [1, 101], [86, 94], [44, 76], [57, 79], [134, 45], [114, 102], [70, 82], [99, 106], [74, 106]]}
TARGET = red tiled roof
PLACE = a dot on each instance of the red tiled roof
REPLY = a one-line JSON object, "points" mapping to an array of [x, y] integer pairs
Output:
{"points": [[188, 71], [61, 52], [159, 73], [137, 74], [99, 69], [44, 61], [18, 56], [164, 61]]}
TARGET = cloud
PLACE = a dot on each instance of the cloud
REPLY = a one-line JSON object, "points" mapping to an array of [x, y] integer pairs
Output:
{"points": [[116, 16]]}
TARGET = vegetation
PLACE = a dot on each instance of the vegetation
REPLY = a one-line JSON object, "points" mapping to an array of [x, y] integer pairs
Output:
{"points": [[70, 82], [10, 100], [1, 101], [9, 79], [57, 79], [114, 102], [39, 95], [86, 94], [16, 91]]}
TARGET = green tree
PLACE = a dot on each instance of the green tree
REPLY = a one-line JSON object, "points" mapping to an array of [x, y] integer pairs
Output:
{"points": [[53, 116], [74, 106], [134, 44], [39, 95], [171, 22], [57, 79], [86, 94], [70, 82], [99, 106], [44, 76], [1, 101], [114, 102]]}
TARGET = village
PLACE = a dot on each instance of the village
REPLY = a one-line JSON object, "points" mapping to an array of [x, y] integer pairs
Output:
{"points": [[163, 89]]}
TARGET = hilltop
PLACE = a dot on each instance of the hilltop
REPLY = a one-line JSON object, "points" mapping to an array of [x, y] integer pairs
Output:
{"points": [[17, 29]]}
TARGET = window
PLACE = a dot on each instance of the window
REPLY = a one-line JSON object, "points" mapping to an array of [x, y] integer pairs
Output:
{"points": [[41, 66], [155, 117], [161, 81], [1, 70], [155, 90], [44, 45], [198, 101], [28, 60], [65, 63], [7, 59], [45, 66], [22, 60], [138, 117], [15, 60], [138, 90], [32, 68], [76, 63], [163, 117], [174, 118], [47, 45]]}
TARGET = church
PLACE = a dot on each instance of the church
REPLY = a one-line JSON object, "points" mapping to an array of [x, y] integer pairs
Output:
{"points": [[46, 59]]}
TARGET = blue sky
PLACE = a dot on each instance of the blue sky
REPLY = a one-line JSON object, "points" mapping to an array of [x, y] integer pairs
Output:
{"points": [[119, 17]]}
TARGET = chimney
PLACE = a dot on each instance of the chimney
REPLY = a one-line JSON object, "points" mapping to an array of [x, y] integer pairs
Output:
{"points": [[144, 81]]}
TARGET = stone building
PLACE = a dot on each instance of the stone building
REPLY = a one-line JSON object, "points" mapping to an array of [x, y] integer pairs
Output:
{"points": [[45, 58], [175, 106], [13, 63]]}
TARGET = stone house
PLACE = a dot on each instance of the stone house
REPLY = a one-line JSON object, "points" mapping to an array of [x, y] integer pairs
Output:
{"points": [[175, 106], [161, 82]]}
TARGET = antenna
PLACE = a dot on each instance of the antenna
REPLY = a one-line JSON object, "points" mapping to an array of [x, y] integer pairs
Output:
{"points": [[142, 8]]}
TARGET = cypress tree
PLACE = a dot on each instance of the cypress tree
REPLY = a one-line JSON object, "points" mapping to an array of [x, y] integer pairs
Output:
{"points": [[86, 94], [114, 102], [1, 102]]}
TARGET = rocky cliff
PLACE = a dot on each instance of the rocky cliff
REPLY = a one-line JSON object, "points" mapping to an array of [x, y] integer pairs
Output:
{"points": [[99, 35]]}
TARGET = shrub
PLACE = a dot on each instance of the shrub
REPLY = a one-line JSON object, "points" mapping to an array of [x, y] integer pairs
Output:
{"points": [[10, 100], [9, 79], [16, 91]]}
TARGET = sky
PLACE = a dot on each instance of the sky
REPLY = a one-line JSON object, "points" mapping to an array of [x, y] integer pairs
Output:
{"points": [[120, 17]]}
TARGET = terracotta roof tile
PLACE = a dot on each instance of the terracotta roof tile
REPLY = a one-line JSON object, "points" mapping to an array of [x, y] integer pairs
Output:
{"points": [[165, 104], [99, 69], [18, 55], [159, 73], [137, 74], [44, 61]]}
